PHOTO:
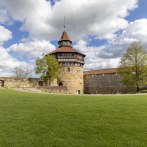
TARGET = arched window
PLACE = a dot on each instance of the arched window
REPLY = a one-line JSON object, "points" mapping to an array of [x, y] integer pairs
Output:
{"points": [[60, 84], [78, 91], [40, 83], [2, 83]]}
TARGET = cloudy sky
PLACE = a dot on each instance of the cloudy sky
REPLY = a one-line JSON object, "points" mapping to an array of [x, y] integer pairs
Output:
{"points": [[101, 29]]}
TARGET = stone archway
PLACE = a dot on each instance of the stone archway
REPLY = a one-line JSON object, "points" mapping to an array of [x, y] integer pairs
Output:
{"points": [[2, 83], [40, 83], [60, 84], [78, 91]]}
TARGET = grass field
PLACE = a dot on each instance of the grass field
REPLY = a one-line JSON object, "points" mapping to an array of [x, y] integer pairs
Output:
{"points": [[41, 120]]}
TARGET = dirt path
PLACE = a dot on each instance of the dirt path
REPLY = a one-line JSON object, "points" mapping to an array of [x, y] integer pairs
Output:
{"points": [[35, 90]]}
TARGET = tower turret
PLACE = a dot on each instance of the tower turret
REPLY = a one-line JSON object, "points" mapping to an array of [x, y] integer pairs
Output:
{"points": [[65, 40], [71, 74]]}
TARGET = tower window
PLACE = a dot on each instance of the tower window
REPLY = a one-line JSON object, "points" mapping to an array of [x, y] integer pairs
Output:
{"points": [[68, 69]]}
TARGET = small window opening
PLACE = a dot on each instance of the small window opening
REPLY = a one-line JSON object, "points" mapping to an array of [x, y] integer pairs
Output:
{"points": [[68, 69], [60, 84], [40, 83], [78, 91]]}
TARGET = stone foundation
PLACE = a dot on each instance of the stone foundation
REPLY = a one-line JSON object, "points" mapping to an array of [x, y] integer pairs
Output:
{"points": [[54, 89]]}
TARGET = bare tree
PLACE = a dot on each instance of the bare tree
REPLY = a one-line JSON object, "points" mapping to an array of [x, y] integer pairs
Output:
{"points": [[22, 72]]}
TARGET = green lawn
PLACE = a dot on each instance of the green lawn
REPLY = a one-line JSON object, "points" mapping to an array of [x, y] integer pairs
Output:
{"points": [[41, 120]]}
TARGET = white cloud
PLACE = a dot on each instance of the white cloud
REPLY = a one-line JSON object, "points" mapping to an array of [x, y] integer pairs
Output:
{"points": [[91, 59], [5, 35], [32, 49], [27, 51], [34, 15], [108, 56], [101, 18], [8, 63], [4, 16], [102, 64], [136, 31], [84, 17]]}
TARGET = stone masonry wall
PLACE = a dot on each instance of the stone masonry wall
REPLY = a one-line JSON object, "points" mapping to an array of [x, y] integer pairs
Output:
{"points": [[54, 89], [104, 84], [72, 77], [10, 82]]}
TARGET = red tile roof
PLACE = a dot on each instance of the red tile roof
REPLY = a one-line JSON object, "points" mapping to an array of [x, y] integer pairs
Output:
{"points": [[65, 49], [102, 71], [64, 36]]}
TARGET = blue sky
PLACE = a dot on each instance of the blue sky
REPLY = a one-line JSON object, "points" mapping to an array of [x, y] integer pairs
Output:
{"points": [[102, 30], [140, 12]]}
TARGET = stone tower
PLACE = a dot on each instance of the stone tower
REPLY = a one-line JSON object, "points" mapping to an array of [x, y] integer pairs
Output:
{"points": [[72, 61]]}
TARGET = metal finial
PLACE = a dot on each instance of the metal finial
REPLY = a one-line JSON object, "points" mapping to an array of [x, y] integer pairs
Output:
{"points": [[64, 23]]}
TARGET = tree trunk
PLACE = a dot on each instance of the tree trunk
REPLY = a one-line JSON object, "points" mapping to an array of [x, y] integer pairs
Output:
{"points": [[49, 82], [138, 89]]}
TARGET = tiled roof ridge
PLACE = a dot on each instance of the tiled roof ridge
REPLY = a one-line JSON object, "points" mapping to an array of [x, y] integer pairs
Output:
{"points": [[66, 49], [100, 71]]}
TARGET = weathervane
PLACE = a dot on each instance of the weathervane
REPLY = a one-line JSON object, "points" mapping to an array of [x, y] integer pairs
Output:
{"points": [[64, 23]]}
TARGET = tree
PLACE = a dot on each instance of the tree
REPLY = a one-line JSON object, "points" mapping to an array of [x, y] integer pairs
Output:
{"points": [[48, 68], [22, 72], [133, 66]]}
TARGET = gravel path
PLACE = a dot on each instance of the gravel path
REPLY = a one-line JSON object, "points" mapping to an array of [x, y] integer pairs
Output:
{"points": [[35, 90]]}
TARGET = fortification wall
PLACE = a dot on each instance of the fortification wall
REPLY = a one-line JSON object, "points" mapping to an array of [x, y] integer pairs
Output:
{"points": [[72, 77], [11, 82], [54, 89], [104, 84]]}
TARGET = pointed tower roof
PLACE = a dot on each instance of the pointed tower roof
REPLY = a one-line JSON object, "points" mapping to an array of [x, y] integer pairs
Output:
{"points": [[64, 47], [65, 36]]}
